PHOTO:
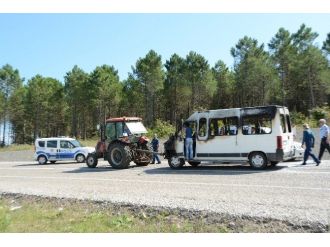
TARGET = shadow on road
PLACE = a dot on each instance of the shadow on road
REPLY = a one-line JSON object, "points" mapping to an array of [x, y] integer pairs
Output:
{"points": [[212, 170], [97, 169]]}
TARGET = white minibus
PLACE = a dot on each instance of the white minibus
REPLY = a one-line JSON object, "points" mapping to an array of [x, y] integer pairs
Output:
{"points": [[260, 135]]}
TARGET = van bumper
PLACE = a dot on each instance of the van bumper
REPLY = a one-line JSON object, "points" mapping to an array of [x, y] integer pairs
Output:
{"points": [[280, 155]]}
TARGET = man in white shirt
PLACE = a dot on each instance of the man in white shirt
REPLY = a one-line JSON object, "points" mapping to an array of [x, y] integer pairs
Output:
{"points": [[324, 133]]}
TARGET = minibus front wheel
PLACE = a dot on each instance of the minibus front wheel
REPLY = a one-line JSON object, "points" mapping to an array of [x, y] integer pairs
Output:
{"points": [[258, 160], [175, 162]]}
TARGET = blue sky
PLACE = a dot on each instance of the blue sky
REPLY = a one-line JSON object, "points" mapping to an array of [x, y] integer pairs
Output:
{"points": [[51, 44]]}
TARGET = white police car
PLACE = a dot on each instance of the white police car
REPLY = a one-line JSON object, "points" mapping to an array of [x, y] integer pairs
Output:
{"points": [[60, 148]]}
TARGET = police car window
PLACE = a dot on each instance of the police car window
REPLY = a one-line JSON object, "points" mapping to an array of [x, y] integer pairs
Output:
{"points": [[66, 144], [52, 144], [75, 144], [41, 144]]}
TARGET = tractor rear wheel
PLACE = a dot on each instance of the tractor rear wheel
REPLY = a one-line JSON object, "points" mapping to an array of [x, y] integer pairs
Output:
{"points": [[119, 156]]}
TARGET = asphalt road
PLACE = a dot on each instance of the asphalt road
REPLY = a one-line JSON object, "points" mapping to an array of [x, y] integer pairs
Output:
{"points": [[288, 192]]}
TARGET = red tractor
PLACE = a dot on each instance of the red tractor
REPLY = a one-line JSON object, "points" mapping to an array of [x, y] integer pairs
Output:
{"points": [[122, 140]]}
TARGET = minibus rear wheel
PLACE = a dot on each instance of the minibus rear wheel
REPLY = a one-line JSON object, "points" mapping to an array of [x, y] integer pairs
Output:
{"points": [[258, 160]]}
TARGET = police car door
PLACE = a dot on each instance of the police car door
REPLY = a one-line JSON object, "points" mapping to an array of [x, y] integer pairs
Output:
{"points": [[52, 149], [66, 150]]}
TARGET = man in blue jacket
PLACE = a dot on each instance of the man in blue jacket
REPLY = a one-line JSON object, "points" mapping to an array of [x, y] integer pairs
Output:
{"points": [[155, 146], [308, 140]]}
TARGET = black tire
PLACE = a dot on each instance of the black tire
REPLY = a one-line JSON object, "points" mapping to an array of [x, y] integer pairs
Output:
{"points": [[273, 163], [42, 160], [258, 160], [119, 156], [194, 163], [175, 162], [91, 160], [80, 158], [53, 161]]}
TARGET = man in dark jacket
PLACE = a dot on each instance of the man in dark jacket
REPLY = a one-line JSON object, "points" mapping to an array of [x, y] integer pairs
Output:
{"points": [[155, 146], [308, 140]]}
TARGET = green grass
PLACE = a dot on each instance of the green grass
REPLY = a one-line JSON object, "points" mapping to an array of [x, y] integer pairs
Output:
{"points": [[46, 216], [17, 147], [23, 213], [89, 142]]}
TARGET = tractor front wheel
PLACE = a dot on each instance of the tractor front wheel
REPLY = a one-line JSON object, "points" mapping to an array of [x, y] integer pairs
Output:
{"points": [[91, 160]]}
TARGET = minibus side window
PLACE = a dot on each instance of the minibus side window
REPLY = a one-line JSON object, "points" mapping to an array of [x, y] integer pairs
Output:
{"points": [[288, 121], [283, 123], [41, 144], [257, 125], [202, 127], [223, 126]]}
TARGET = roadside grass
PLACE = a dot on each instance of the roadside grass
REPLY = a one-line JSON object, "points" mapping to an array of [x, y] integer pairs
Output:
{"points": [[16, 147], [30, 214], [89, 142], [44, 216]]}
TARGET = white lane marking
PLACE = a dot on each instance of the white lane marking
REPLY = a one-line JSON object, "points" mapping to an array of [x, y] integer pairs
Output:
{"points": [[172, 182]]}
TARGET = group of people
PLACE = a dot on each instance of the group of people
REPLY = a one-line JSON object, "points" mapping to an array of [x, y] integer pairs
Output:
{"points": [[188, 145], [309, 140]]}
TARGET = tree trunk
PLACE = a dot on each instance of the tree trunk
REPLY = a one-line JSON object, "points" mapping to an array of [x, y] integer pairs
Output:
{"points": [[311, 88], [4, 129]]}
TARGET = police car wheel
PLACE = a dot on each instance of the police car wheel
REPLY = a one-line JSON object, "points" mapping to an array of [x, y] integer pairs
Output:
{"points": [[80, 158], [42, 159]]}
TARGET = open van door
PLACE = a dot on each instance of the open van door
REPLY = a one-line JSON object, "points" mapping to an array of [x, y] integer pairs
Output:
{"points": [[287, 141]]}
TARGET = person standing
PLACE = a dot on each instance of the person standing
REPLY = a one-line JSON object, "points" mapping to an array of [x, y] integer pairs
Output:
{"points": [[155, 146], [308, 140], [324, 133], [189, 142]]}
